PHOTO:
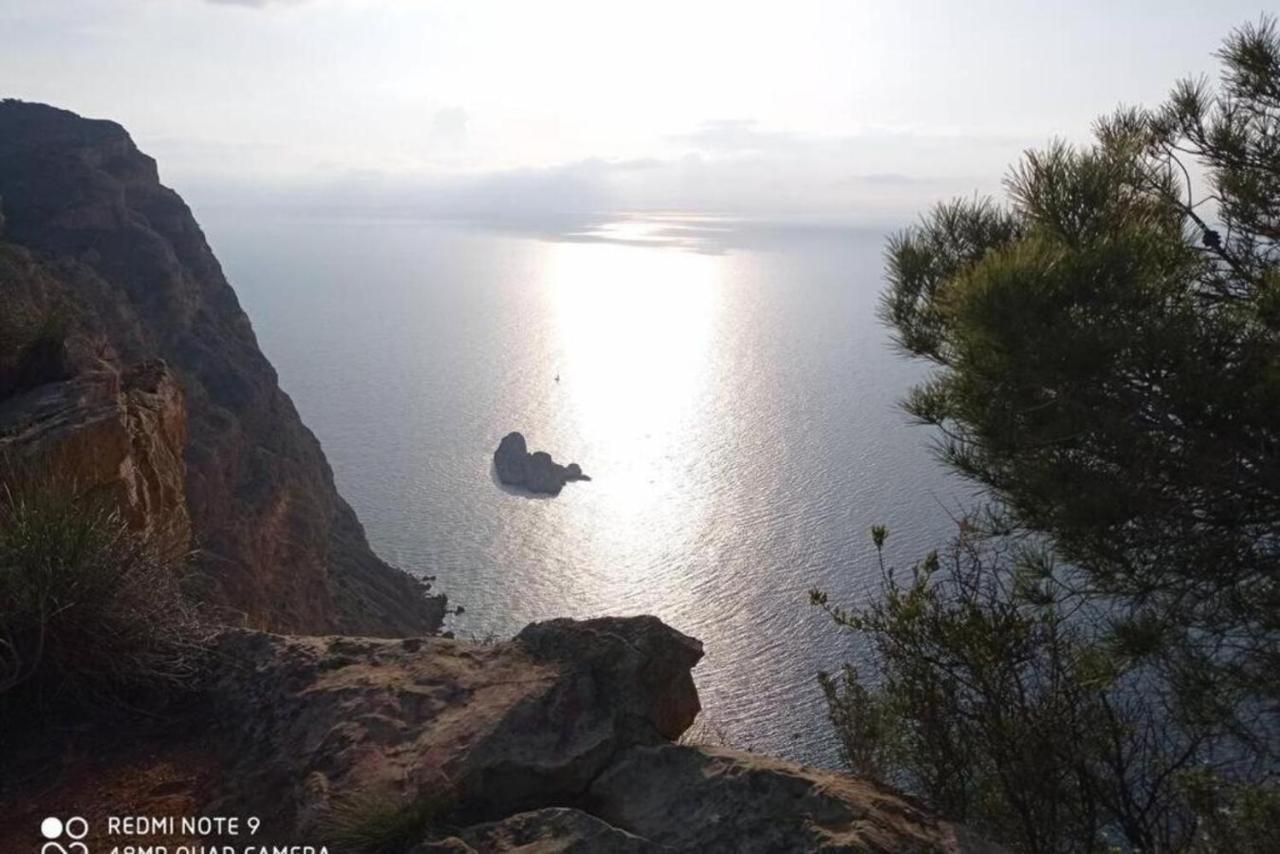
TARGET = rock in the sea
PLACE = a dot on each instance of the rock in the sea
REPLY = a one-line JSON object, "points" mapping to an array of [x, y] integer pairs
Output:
{"points": [[536, 472]]}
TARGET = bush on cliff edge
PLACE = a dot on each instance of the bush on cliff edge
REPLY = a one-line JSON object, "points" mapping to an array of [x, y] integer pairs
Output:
{"points": [[90, 611]]}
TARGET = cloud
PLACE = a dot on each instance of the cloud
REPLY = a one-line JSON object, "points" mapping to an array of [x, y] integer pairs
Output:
{"points": [[697, 202], [711, 186], [735, 135], [450, 125], [884, 178], [253, 4]]}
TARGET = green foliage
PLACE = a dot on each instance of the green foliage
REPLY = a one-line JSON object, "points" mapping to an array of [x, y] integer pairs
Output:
{"points": [[374, 823], [33, 348], [1110, 358], [1005, 707], [1242, 819], [1095, 664], [39, 321], [89, 613]]}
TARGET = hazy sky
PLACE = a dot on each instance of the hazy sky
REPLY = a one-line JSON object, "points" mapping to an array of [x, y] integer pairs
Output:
{"points": [[790, 108]]}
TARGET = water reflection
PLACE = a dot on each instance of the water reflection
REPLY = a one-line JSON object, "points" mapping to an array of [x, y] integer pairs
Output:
{"points": [[635, 334], [736, 410], [690, 232]]}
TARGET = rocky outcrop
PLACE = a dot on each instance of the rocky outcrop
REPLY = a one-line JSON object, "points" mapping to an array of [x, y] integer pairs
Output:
{"points": [[86, 216], [503, 727], [717, 800], [559, 740], [118, 435], [536, 472], [554, 830]]}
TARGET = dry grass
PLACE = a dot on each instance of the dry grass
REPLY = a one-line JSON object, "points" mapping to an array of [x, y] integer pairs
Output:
{"points": [[90, 613], [374, 823]]}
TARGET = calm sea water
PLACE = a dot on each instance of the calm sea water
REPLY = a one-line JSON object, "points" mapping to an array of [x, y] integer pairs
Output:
{"points": [[728, 389]]}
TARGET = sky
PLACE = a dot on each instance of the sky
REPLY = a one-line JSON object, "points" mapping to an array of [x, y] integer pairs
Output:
{"points": [[845, 111]]}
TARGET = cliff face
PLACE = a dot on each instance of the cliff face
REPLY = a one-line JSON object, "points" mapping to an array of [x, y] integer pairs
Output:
{"points": [[88, 223], [118, 435]]}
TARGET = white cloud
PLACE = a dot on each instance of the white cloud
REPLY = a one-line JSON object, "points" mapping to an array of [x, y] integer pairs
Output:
{"points": [[449, 124], [255, 4], [808, 108], [734, 169]]}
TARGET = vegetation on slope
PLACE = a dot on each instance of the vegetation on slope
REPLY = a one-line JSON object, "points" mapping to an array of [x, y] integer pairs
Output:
{"points": [[91, 614], [1095, 663]]}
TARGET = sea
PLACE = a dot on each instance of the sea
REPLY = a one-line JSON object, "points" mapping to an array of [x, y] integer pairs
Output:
{"points": [[725, 383]]}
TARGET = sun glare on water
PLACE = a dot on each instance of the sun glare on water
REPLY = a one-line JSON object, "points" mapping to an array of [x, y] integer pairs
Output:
{"points": [[635, 331]]}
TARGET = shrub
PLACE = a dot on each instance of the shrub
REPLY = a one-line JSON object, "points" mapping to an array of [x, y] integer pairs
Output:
{"points": [[376, 823], [33, 346], [1009, 706], [89, 611], [1106, 347]]}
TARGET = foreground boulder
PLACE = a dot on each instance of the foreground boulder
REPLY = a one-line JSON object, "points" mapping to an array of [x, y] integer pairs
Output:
{"points": [[560, 740], [500, 727], [554, 830], [536, 472]]}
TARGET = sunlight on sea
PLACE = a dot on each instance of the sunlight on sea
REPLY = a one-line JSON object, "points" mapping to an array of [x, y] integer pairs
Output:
{"points": [[732, 396]]}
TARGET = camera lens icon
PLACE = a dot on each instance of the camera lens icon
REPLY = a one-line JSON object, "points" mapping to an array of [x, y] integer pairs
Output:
{"points": [[74, 827]]}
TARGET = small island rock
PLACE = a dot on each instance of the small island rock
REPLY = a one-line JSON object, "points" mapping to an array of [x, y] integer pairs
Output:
{"points": [[536, 472]]}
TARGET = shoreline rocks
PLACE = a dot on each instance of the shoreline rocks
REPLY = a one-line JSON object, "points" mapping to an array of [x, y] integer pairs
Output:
{"points": [[536, 472]]}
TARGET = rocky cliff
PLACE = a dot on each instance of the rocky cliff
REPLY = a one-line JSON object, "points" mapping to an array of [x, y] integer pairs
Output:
{"points": [[118, 435], [91, 236]]}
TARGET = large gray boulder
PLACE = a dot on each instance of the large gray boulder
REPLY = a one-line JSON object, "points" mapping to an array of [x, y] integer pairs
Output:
{"points": [[502, 727], [536, 472], [560, 740]]}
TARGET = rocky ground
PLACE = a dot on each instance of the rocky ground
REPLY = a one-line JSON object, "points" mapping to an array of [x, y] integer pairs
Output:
{"points": [[563, 739]]}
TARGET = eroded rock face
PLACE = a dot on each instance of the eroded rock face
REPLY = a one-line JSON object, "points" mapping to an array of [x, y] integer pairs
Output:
{"points": [[717, 800], [536, 472], [504, 727], [119, 435], [279, 548], [557, 741]]}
